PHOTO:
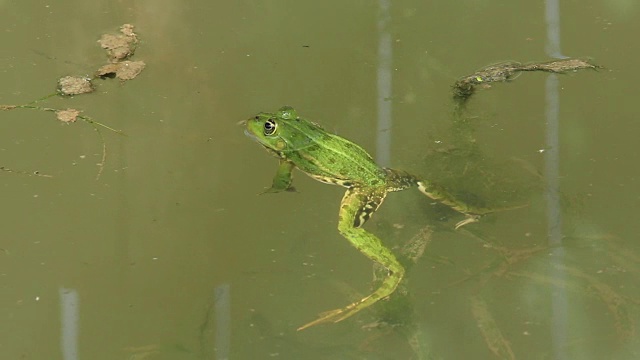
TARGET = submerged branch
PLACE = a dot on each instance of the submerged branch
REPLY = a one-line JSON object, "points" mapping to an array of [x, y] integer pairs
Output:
{"points": [[466, 86]]}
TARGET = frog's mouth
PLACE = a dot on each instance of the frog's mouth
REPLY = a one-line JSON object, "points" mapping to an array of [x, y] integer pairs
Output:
{"points": [[251, 135], [244, 124], [255, 138]]}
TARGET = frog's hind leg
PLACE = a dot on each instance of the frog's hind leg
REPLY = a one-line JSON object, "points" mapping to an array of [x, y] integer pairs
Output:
{"points": [[472, 213], [355, 209], [401, 180], [438, 193]]}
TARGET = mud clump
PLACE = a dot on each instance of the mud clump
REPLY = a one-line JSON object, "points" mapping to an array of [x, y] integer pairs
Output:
{"points": [[120, 46], [125, 70], [68, 115], [74, 85]]}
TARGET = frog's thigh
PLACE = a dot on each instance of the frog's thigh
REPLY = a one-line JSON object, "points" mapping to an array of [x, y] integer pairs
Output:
{"points": [[356, 208], [358, 204]]}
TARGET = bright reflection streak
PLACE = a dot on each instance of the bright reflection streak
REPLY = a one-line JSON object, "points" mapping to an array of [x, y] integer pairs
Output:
{"points": [[69, 318], [559, 302], [222, 311], [385, 52]]}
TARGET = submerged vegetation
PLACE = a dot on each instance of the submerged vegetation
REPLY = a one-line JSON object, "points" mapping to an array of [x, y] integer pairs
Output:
{"points": [[523, 270]]}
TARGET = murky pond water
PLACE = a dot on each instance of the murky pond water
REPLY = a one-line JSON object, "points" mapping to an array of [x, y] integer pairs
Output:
{"points": [[155, 245]]}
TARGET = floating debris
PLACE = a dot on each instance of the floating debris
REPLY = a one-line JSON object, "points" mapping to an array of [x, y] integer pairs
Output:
{"points": [[74, 85], [125, 70], [465, 87], [120, 46], [22, 172], [68, 116]]}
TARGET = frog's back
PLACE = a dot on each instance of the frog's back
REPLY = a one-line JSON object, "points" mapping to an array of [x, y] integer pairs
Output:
{"points": [[330, 158]]}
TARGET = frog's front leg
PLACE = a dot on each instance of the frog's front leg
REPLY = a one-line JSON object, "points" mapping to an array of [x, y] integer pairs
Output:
{"points": [[357, 206], [283, 178]]}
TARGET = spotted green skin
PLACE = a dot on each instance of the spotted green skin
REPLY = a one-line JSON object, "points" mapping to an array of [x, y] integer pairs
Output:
{"points": [[329, 158]]}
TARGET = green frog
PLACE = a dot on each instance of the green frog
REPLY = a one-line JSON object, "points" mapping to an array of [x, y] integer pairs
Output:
{"points": [[329, 158]]}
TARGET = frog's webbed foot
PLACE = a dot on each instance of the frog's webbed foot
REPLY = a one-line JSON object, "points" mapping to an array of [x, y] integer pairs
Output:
{"points": [[475, 217], [338, 315], [328, 316], [273, 190], [469, 219]]}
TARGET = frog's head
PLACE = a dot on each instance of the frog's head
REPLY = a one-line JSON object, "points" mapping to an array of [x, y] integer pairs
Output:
{"points": [[271, 130]]}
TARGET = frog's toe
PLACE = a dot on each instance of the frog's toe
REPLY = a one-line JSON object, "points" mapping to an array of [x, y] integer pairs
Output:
{"points": [[468, 220], [273, 190], [327, 316]]}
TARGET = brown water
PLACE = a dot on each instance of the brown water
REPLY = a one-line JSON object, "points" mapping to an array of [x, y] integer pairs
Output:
{"points": [[170, 254]]}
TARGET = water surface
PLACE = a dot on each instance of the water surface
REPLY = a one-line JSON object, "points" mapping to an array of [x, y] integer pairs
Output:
{"points": [[170, 253]]}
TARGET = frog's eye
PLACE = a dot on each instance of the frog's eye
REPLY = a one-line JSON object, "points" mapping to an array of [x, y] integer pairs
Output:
{"points": [[270, 127]]}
